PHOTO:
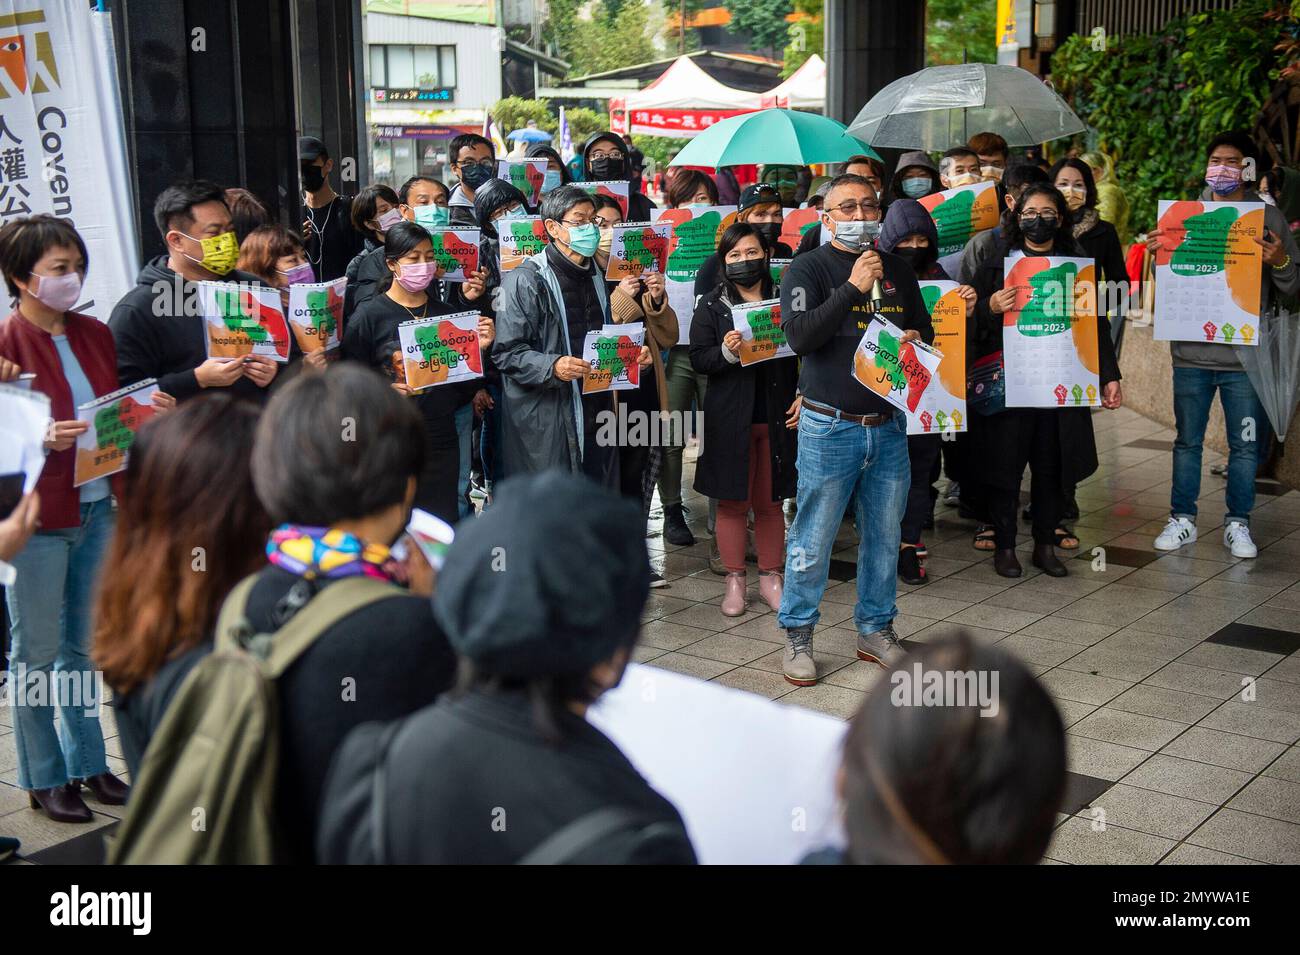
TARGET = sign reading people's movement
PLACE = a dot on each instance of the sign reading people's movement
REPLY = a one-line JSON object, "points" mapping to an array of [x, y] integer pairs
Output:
{"points": [[1049, 336], [898, 371], [113, 420], [616, 189], [942, 408], [613, 354], [761, 336], [24, 420], [960, 213], [316, 314], [796, 223], [1207, 271], [518, 239], [638, 247], [695, 237], [526, 175], [243, 320], [440, 350], [456, 252]]}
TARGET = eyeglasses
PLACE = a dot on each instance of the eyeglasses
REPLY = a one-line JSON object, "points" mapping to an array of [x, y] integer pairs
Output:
{"points": [[1036, 217], [602, 222], [566, 222], [869, 208], [612, 154]]}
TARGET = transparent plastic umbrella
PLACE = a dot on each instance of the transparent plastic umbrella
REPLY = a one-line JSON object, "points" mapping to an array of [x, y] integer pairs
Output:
{"points": [[1273, 366], [944, 106]]}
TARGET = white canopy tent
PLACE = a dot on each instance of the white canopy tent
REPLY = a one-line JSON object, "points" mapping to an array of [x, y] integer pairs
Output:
{"points": [[682, 102], [805, 89]]}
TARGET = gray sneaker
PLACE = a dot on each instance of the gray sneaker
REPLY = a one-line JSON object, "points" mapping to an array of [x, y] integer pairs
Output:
{"points": [[881, 647], [798, 664]]}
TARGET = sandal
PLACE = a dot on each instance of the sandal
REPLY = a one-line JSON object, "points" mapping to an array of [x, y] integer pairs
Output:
{"points": [[1066, 540], [985, 538]]}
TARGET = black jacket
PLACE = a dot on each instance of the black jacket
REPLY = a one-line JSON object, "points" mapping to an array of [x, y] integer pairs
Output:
{"points": [[723, 468], [156, 338], [470, 780], [994, 437], [364, 272], [1101, 242], [711, 272]]}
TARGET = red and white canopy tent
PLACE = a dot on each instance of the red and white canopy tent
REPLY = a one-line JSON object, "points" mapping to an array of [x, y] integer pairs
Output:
{"points": [[684, 100]]}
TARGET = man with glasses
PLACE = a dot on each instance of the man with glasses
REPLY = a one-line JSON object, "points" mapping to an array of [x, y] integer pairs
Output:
{"points": [[605, 159], [547, 306], [474, 162], [852, 443]]}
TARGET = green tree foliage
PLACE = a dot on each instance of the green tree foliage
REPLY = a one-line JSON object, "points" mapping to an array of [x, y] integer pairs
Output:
{"points": [[960, 31], [1154, 102], [514, 112], [764, 20], [805, 36], [583, 122], [660, 148], [601, 35]]}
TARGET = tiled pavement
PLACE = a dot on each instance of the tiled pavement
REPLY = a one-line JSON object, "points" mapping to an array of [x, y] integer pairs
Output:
{"points": [[1147, 658]]}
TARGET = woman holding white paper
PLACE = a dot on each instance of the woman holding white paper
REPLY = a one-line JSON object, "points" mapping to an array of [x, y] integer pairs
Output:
{"points": [[748, 459], [1057, 443], [278, 257], [73, 357]]}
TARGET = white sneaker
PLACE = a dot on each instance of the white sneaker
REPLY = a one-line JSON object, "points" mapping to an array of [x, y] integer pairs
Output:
{"points": [[1236, 537], [1177, 532]]}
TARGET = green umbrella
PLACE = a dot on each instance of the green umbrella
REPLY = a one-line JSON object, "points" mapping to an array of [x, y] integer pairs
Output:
{"points": [[772, 136]]}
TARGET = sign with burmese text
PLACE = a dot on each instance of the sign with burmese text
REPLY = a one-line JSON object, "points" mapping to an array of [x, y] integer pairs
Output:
{"points": [[440, 350], [112, 424]]}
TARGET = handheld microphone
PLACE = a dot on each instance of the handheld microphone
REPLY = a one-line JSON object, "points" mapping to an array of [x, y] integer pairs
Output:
{"points": [[877, 293]]}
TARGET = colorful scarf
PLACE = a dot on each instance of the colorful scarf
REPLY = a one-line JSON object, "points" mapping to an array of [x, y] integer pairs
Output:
{"points": [[322, 552], [1087, 219]]}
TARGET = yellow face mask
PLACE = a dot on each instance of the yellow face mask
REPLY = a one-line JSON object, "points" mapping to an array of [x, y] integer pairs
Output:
{"points": [[220, 252], [1075, 196]]}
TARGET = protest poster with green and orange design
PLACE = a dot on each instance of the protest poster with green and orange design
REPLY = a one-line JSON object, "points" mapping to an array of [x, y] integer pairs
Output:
{"points": [[440, 350], [316, 314], [960, 213], [113, 422]]}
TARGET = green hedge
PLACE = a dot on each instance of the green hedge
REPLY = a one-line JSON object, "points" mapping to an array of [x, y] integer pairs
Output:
{"points": [[1155, 101]]}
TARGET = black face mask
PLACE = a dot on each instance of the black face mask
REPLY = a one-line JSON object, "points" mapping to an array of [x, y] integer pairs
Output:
{"points": [[771, 231], [312, 178], [605, 169], [747, 273], [1039, 230], [917, 258], [474, 174]]}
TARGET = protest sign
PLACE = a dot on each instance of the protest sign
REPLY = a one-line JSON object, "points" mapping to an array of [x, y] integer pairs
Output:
{"points": [[456, 252], [618, 189], [1049, 336], [440, 350], [24, 421], [942, 407], [796, 223], [898, 371], [1207, 271], [114, 420], [316, 314], [695, 237], [526, 175], [432, 535], [779, 267], [612, 354], [960, 213], [243, 320], [761, 336], [518, 239], [638, 247]]}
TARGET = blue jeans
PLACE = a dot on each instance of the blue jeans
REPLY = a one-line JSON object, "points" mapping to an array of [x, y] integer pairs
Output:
{"points": [[49, 613], [464, 434], [840, 461], [1246, 426]]}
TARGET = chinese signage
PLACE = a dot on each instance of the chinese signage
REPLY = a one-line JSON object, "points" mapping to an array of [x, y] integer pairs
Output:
{"points": [[406, 95]]}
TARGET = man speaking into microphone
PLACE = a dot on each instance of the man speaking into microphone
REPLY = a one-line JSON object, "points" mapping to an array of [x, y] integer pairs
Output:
{"points": [[852, 443]]}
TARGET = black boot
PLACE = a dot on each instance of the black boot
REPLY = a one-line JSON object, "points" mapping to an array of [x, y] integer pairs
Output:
{"points": [[909, 566], [1006, 563], [1045, 559], [675, 530]]}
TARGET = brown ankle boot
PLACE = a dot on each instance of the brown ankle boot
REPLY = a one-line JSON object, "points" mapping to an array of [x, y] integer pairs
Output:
{"points": [[1006, 563], [107, 788], [62, 804]]}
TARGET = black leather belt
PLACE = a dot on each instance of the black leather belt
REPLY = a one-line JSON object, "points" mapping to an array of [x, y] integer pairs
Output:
{"points": [[866, 420]]}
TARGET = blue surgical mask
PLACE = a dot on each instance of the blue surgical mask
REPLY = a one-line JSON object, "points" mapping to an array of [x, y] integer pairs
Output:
{"points": [[857, 235], [432, 216], [553, 179], [916, 187], [584, 239], [514, 212]]}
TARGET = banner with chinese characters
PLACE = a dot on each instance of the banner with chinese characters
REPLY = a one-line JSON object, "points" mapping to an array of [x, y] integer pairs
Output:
{"points": [[696, 232], [678, 123], [942, 407], [526, 175], [761, 336], [62, 146], [1049, 336], [1207, 271]]}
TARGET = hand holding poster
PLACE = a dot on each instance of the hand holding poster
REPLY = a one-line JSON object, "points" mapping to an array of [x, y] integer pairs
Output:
{"points": [[942, 407], [898, 371], [316, 314], [243, 320], [638, 247], [440, 350], [960, 213], [695, 237], [114, 420], [24, 420], [616, 188], [1207, 271], [1049, 337], [526, 175], [456, 252], [761, 336], [613, 354], [432, 535], [518, 239]]}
